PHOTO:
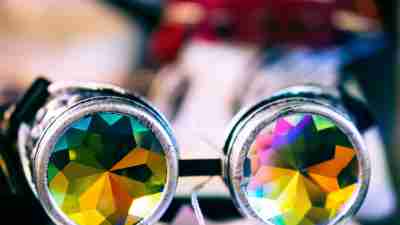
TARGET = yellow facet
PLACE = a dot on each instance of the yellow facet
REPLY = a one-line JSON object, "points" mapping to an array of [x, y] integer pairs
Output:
{"points": [[300, 170], [107, 169]]}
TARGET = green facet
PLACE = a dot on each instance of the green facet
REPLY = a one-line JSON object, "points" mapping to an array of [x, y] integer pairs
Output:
{"points": [[301, 169], [107, 168]]}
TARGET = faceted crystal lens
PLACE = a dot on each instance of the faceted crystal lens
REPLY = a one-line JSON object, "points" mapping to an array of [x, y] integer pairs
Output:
{"points": [[107, 169], [301, 170]]}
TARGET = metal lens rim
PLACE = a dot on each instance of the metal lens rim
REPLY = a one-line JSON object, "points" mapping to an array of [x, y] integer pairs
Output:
{"points": [[246, 134], [103, 104]]}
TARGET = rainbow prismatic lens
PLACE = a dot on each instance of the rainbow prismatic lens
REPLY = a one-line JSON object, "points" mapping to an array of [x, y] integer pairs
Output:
{"points": [[97, 155], [107, 169], [300, 169], [297, 159]]}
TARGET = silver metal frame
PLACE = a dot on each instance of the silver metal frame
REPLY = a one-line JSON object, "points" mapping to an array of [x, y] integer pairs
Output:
{"points": [[252, 124], [59, 122]]}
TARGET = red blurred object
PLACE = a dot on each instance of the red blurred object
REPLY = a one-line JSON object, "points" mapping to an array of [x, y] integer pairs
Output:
{"points": [[167, 42], [256, 22], [301, 22]]}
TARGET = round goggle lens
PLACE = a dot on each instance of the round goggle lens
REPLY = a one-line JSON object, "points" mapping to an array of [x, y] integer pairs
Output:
{"points": [[301, 169], [107, 168]]}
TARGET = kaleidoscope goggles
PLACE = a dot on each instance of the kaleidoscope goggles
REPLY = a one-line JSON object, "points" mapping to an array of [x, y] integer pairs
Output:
{"points": [[95, 154]]}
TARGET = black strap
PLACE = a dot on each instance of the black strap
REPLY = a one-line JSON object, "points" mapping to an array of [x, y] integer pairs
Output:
{"points": [[24, 111], [200, 167], [26, 108], [16, 196]]}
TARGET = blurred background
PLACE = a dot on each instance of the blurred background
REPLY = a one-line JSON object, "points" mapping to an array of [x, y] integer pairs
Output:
{"points": [[200, 61]]}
